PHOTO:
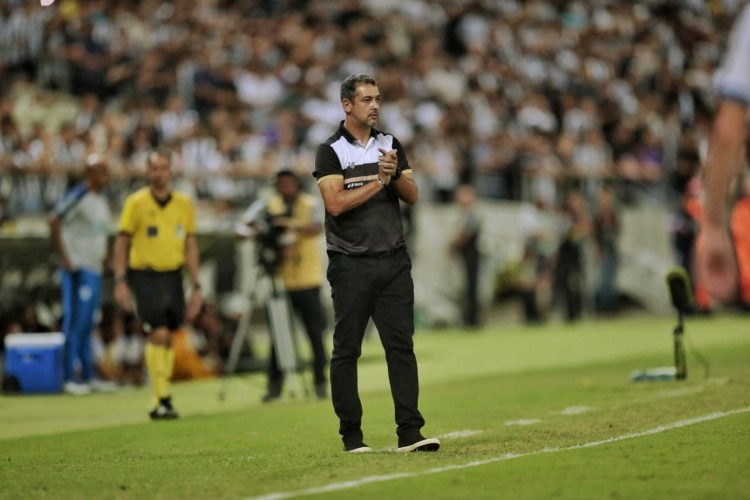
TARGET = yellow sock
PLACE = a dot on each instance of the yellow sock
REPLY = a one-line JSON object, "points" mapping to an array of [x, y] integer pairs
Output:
{"points": [[154, 362], [160, 382], [168, 367]]}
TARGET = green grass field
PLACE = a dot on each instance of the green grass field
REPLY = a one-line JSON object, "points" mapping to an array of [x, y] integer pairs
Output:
{"points": [[545, 412]]}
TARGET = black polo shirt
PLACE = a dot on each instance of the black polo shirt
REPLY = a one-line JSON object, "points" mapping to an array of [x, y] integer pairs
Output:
{"points": [[375, 226]]}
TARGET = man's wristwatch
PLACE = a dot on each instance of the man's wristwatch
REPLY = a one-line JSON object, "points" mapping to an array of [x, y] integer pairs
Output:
{"points": [[381, 181], [119, 278]]}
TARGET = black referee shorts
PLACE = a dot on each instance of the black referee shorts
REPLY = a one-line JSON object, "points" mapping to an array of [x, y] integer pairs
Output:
{"points": [[159, 298]]}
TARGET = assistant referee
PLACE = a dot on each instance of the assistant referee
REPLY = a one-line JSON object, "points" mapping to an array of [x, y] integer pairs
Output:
{"points": [[156, 240]]}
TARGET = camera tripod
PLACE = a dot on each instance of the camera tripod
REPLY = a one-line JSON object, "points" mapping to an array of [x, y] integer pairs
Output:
{"points": [[281, 331]]}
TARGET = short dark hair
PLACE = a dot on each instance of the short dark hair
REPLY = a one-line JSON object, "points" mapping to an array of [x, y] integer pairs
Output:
{"points": [[287, 173], [349, 85]]}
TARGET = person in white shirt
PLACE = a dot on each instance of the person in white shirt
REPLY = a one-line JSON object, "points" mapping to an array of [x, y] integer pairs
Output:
{"points": [[725, 162], [79, 227]]}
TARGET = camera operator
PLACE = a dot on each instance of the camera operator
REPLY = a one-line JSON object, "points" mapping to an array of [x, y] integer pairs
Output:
{"points": [[287, 228]]}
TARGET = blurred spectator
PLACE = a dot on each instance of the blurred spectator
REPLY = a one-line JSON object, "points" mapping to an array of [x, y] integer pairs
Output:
{"points": [[118, 350], [592, 162], [650, 155], [90, 58], [569, 280], [175, 123], [215, 337], [444, 166], [465, 245], [188, 362], [88, 114], [606, 232], [27, 320], [543, 171], [533, 281], [580, 115]]}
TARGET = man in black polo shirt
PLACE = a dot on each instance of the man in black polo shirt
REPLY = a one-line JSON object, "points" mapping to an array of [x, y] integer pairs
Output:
{"points": [[362, 174]]}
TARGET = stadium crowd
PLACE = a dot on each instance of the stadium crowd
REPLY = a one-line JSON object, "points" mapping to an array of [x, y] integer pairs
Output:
{"points": [[525, 100], [522, 99]]}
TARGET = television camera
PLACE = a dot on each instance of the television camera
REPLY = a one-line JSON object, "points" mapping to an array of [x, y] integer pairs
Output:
{"points": [[271, 238]]}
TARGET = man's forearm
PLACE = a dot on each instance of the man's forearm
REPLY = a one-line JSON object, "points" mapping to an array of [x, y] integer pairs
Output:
{"points": [[406, 189], [122, 245], [724, 161], [338, 201], [192, 259]]}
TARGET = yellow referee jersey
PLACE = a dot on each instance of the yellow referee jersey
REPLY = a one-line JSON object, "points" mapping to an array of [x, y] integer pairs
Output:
{"points": [[157, 231]]}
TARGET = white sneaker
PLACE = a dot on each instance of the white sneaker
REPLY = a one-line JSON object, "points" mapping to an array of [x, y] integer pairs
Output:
{"points": [[77, 389], [428, 444], [362, 449], [104, 386]]}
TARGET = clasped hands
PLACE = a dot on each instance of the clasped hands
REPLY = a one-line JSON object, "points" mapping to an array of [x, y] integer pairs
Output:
{"points": [[387, 164]]}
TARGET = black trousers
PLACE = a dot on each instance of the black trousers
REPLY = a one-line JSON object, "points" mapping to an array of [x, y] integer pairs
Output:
{"points": [[381, 288], [306, 303]]}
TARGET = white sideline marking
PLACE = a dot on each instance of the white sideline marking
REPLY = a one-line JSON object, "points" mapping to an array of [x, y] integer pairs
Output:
{"points": [[576, 410], [354, 483], [523, 421], [459, 434]]}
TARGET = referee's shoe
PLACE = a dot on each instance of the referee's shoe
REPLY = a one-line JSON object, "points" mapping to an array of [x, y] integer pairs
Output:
{"points": [[164, 410], [421, 444]]}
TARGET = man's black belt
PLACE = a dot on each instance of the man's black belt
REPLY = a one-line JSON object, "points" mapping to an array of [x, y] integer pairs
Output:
{"points": [[373, 255]]}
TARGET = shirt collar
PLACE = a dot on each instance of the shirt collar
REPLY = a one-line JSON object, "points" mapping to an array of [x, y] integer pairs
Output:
{"points": [[349, 137]]}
